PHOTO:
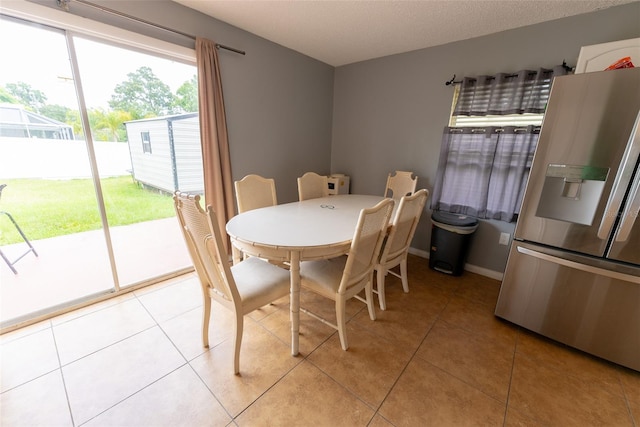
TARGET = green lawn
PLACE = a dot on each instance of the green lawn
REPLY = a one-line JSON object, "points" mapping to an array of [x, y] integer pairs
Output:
{"points": [[49, 208]]}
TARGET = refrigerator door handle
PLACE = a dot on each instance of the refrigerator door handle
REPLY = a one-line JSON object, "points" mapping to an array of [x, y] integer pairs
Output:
{"points": [[630, 213], [621, 182], [578, 266]]}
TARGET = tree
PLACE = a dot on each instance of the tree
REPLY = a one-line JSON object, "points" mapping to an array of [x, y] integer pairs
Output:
{"points": [[55, 112], [29, 97], [110, 122], [6, 97], [73, 119], [142, 95], [186, 98]]}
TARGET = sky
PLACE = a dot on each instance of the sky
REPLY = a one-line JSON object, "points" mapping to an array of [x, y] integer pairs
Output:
{"points": [[40, 58]]}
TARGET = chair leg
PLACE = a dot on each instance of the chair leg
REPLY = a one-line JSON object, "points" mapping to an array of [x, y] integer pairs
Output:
{"points": [[237, 341], [9, 263], [368, 291], [24, 237], [403, 275], [381, 272], [206, 317], [341, 316]]}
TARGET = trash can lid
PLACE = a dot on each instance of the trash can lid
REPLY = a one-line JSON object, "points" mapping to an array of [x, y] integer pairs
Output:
{"points": [[458, 220]]}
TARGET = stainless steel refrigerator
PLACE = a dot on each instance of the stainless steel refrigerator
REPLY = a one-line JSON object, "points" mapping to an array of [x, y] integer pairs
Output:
{"points": [[573, 272]]}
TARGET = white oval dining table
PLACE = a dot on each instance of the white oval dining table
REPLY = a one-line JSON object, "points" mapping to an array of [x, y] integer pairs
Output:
{"points": [[293, 232]]}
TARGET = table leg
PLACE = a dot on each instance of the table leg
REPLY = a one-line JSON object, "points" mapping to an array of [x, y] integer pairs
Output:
{"points": [[294, 270], [236, 254]]}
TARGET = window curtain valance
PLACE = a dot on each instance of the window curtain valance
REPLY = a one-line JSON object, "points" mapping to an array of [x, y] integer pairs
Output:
{"points": [[526, 91]]}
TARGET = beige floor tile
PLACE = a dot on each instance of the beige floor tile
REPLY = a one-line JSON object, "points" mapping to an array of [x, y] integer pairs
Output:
{"points": [[63, 318], [99, 329], [479, 319], [41, 402], [326, 308], [120, 379], [379, 421], [557, 398], [405, 329], [422, 298], [631, 386], [369, 367], [179, 399], [479, 362], [480, 289], [268, 309], [516, 419], [420, 274], [264, 360], [307, 397], [97, 382], [185, 330], [427, 396], [566, 360], [26, 358], [24, 331], [311, 332], [170, 301]]}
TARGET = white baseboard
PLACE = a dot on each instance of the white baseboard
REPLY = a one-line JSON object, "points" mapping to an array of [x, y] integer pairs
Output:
{"points": [[469, 267]]}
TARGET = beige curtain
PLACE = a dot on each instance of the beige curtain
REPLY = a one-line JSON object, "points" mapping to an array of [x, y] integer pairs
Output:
{"points": [[218, 184]]}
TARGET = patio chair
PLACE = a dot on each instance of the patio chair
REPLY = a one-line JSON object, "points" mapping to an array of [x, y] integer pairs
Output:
{"points": [[344, 277], [311, 186], [396, 246], [400, 184], [24, 237], [241, 288], [254, 191]]}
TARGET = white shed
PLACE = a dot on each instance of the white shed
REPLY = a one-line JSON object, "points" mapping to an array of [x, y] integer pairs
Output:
{"points": [[166, 153]]}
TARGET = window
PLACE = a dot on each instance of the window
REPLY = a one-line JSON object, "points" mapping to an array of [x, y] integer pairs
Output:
{"points": [[146, 142], [488, 147]]}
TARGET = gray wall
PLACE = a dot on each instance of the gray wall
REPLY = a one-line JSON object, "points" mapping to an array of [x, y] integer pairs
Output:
{"points": [[389, 113], [288, 113]]}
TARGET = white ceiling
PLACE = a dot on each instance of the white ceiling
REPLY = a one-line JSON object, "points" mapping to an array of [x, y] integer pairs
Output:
{"points": [[340, 32]]}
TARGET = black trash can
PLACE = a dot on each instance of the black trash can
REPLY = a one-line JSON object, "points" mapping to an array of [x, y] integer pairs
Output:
{"points": [[450, 239]]}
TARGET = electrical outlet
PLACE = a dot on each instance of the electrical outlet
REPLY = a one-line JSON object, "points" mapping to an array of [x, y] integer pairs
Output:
{"points": [[504, 238]]}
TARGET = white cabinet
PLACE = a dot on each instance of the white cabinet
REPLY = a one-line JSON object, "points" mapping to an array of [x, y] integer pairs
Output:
{"points": [[598, 57]]}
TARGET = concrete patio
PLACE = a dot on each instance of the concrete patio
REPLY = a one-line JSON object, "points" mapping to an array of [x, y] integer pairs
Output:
{"points": [[75, 266]]}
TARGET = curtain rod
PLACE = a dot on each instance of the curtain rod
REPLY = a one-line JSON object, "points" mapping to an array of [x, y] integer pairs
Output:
{"points": [[454, 82], [64, 4]]}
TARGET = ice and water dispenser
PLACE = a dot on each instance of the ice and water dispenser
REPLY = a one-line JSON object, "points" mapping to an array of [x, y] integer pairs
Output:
{"points": [[571, 193]]}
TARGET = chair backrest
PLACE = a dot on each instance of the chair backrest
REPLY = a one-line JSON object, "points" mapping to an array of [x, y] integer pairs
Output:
{"points": [[366, 244], [311, 186], [404, 225], [204, 241], [401, 184], [255, 191]]}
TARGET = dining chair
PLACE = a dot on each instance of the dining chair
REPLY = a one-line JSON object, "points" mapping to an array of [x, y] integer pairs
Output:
{"points": [[342, 278], [254, 191], [311, 186], [396, 246], [400, 184], [241, 288]]}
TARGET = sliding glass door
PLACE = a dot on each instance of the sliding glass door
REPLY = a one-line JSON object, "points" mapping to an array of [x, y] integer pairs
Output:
{"points": [[94, 138], [143, 109]]}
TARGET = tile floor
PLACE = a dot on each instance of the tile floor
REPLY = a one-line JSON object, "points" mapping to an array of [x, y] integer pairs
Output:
{"points": [[437, 356]]}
